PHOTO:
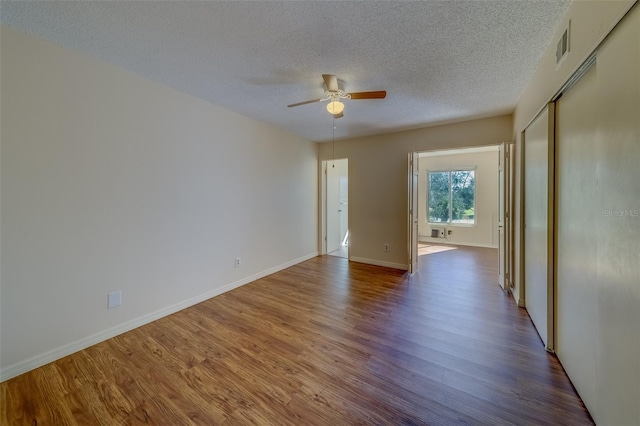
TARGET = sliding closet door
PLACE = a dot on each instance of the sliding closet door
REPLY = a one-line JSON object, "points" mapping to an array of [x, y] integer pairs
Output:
{"points": [[576, 234], [598, 229], [618, 227], [538, 223]]}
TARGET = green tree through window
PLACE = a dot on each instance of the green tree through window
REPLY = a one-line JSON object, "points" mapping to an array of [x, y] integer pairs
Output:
{"points": [[452, 196]]}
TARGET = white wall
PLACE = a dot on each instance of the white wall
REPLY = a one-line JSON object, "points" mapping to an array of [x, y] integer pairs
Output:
{"points": [[485, 231], [378, 181], [113, 182]]}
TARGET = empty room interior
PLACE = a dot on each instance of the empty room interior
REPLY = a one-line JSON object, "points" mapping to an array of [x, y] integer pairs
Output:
{"points": [[315, 213]]}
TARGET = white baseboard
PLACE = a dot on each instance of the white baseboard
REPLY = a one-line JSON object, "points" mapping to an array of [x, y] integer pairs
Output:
{"points": [[516, 297], [78, 345], [380, 263], [285, 265]]}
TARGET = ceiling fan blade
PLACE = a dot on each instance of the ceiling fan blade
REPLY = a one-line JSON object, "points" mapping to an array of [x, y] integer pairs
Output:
{"points": [[340, 115], [331, 81], [380, 94], [304, 103]]}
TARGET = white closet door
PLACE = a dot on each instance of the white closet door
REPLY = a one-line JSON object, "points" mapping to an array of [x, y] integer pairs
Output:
{"points": [[538, 222], [598, 229], [576, 234], [618, 225]]}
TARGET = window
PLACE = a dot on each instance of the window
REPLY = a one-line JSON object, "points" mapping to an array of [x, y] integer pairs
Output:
{"points": [[452, 197]]}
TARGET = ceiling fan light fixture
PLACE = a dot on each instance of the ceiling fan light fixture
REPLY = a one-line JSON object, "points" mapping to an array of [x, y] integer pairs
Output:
{"points": [[335, 107]]}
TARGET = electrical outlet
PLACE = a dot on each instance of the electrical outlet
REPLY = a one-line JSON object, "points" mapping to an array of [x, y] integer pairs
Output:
{"points": [[386, 247], [237, 262], [114, 299]]}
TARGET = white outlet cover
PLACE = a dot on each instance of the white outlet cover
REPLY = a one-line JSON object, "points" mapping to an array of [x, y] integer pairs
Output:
{"points": [[114, 299]]}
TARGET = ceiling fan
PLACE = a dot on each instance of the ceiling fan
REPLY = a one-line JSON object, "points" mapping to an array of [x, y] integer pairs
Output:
{"points": [[334, 91]]}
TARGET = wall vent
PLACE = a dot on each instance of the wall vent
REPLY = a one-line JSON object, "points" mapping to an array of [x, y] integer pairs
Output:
{"points": [[562, 48], [437, 232]]}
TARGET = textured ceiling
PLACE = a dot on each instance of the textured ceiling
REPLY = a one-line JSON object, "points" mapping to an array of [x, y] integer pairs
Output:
{"points": [[439, 61]]}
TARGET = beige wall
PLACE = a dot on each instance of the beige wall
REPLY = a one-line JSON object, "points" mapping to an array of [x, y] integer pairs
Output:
{"points": [[113, 182], [591, 21], [378, 181], [484, 233]]}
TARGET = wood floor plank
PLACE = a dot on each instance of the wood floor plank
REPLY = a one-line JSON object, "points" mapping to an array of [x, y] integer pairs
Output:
{"points": [[325, 342]]}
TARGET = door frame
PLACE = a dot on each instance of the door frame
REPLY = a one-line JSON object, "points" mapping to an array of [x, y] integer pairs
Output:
{"points": [[322, 205], [510, 216], [509, 206], [412, 211], [502, 215], [505, 220]]}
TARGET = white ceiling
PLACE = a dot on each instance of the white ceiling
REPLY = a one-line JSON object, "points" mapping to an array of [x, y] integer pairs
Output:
{"points": [[440, 61]]}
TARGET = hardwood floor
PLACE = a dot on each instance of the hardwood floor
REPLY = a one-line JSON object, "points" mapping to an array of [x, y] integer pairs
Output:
{"points": [[326, 342]]}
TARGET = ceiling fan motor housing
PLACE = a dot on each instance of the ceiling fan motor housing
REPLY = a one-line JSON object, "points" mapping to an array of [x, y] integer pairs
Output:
{"points": [[335, 90]]}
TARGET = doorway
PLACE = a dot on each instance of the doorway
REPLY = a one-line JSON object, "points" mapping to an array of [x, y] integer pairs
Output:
{"points": [[336, 207], [461, 199]]}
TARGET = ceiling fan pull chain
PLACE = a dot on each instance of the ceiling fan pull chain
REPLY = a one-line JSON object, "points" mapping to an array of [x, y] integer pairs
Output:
{"points": [[333, 148]]}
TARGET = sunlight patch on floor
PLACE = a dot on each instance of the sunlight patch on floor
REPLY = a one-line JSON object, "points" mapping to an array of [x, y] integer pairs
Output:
{"points": [[424, 249]]}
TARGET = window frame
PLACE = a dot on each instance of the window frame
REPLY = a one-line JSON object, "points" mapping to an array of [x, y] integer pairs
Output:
{"points": [[449, 221]]}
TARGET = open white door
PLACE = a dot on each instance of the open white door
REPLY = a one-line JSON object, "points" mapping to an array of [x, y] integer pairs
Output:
{"points": [[333, 207], [508, 214], [335, 199], [412, 196], [505, 233], [502, 153]]}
